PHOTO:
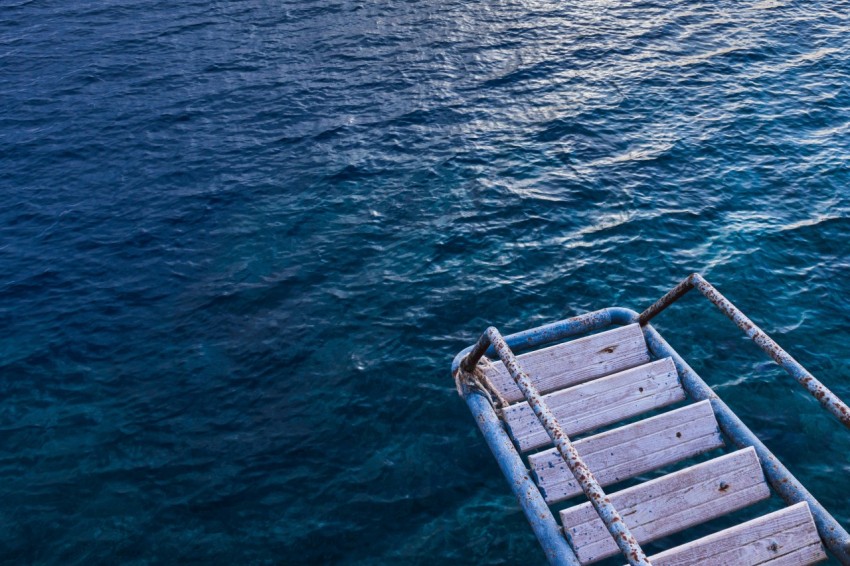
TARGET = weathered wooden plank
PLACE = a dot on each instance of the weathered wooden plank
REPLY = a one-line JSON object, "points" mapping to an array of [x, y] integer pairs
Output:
{"points": [[574, 362], [599, 402], [785, 537], [630, 450], [807, 555], [670, 503]]}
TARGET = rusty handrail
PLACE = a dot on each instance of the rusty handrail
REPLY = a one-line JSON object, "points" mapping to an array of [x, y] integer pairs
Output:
{"points": [[626, 542], [819, 391]]}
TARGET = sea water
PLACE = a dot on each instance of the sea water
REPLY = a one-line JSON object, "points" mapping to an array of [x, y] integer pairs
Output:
{"points": [[240, 243]]}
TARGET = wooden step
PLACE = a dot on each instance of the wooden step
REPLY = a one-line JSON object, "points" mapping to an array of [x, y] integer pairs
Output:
{"points": [[574, 362], [787, 537], [630, 450], [670, 503], [598, 403]]}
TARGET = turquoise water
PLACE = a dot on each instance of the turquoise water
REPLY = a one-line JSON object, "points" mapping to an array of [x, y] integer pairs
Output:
{"points": [[241, 243]]}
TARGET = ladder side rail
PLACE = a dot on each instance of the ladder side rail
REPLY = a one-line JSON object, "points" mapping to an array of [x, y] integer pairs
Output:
{"points": [[543, 523]]}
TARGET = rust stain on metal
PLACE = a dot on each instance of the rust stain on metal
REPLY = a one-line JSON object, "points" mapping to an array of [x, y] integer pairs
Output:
{"points": [[827, 399]]}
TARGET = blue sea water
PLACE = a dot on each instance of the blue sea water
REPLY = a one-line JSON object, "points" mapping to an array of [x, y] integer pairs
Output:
{"points": [[240, 243]]}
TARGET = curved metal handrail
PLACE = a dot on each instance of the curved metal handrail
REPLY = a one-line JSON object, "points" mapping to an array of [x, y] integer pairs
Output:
{"points": [[819, 391]]}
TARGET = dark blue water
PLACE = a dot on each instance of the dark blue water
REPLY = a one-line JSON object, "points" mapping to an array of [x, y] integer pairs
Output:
{"points": [[240, 243]]}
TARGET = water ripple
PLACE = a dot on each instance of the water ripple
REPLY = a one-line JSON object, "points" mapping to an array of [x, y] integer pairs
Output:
{"points": [[242, 241]]}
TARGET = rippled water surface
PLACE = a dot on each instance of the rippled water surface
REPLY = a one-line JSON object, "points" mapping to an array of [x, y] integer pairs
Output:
{"points": [[240, 243]]}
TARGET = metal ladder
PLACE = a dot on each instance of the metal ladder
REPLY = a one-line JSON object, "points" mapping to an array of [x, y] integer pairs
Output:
{"points": [[581, 385]]}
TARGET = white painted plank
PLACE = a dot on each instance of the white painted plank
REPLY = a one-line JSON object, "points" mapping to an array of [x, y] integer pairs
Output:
{"points": [[630, 450], [574, 362], [787, 537], [670, 503], [598, 403]]}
